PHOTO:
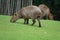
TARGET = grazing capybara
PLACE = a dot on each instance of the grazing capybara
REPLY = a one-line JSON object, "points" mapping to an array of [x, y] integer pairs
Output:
{"points": [[29, 12], [46, 11]]}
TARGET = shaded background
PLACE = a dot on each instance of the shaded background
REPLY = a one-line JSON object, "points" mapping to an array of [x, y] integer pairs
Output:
{"points": [[9, 7], [54, 6]]}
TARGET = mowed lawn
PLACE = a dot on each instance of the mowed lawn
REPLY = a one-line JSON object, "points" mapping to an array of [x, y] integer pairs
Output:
{"points": [[50, 30]]}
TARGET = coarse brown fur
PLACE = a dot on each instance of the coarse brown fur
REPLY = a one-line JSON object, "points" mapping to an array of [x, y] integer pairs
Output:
{"points": [[46, 11], [28, 12]]}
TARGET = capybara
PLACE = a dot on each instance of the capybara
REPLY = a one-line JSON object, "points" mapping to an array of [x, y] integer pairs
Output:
{"points": [[46, 11], [29, 12]]}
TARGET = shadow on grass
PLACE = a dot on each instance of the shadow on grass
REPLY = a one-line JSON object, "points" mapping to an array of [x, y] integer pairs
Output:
{"points": [[27, 24]]}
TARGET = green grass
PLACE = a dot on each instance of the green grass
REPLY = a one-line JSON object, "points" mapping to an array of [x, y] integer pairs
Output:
{"points": [[50, 30]]}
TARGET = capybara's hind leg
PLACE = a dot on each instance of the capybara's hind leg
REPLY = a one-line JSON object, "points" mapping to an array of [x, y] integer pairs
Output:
{"points": [[50, 16], [38, 19], [27, 21], [33, 20]]}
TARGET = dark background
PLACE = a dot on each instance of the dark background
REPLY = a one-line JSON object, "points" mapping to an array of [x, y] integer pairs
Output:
{"points": [[54, 6]]}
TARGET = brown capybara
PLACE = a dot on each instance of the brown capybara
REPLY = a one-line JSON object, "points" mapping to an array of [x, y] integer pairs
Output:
{"points": [[46, 11], [29, 12]]}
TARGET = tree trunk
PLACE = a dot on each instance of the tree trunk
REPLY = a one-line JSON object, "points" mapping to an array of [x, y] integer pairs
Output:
{"points": [[9, 7]]}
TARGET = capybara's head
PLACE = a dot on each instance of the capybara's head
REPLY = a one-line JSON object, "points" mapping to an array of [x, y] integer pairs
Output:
{"points": [[14, 18]]}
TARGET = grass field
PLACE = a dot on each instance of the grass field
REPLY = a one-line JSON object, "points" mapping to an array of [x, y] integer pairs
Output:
{"points": [[50, 30]]}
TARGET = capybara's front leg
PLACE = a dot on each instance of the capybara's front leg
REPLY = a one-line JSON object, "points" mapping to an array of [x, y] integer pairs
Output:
{"points": [[26, 21]]}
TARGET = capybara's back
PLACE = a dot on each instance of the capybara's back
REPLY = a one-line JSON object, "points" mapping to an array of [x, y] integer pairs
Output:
{"points": [[44, 8], [30, 12]]}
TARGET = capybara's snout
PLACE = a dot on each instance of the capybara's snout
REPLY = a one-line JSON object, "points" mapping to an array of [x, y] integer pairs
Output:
{"points": [[12, 21]]}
